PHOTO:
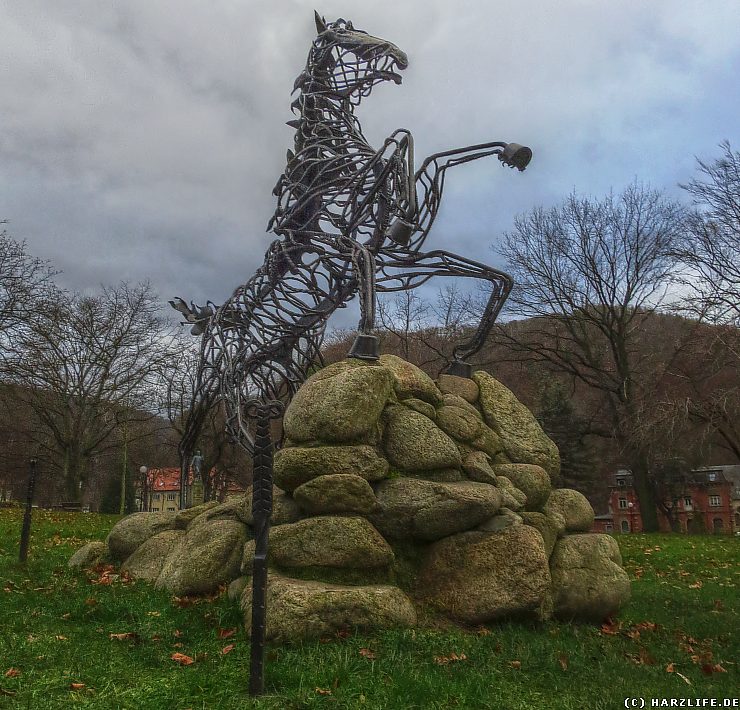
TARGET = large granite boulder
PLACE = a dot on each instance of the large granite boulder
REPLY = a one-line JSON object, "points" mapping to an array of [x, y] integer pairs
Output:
{"points": [[477, 577], [325, 541], [550, 527], [573, 507], [148, 559], [463, 387], [459, 423], [425, 510], [410, 380], [477, 466], [531, 480], [338, 404], [415, 443], [185, 517], [130, 532], [294, 466], [588, 581], [522, 436], [298, 609], [208, 555], [336, 493], [284, 508], [88, 555]]}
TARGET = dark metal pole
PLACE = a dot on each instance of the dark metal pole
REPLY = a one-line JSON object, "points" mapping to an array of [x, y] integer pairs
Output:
{"points": [[26, 529], [263, 413]]}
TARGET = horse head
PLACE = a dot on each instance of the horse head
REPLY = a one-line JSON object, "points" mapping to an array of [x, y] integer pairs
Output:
{"points": [[346, 63]]}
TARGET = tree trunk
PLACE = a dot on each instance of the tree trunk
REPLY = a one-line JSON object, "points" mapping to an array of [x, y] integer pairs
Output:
{"points": [[646, 495]]}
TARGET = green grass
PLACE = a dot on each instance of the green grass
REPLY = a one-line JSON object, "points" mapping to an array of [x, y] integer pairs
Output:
{"points": [[55, 628]]}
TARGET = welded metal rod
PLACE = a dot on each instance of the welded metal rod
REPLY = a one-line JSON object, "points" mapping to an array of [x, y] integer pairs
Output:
{"points": [[262, 413]]}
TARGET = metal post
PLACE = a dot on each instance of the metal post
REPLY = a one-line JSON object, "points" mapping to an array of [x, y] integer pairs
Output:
{"points": [[26, 529], [263, 413]]}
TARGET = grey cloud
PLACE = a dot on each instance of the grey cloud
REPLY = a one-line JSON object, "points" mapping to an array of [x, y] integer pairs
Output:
{"points": [[141, 140]]}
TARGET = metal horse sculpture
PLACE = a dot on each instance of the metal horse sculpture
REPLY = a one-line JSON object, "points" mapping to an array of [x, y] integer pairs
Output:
{"points": [[352, 220]]}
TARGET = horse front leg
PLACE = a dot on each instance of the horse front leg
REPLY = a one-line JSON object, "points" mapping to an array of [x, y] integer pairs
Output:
{"points": [[417, 269]]}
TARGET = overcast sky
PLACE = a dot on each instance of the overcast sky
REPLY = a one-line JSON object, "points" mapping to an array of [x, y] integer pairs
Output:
{"points": [[141, 140]]}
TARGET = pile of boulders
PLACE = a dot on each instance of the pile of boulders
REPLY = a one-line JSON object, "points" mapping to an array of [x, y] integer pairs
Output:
{"points": [[394, 493]]}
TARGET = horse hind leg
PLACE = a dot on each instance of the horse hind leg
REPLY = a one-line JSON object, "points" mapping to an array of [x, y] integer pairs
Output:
{"points": [[404, 274]]}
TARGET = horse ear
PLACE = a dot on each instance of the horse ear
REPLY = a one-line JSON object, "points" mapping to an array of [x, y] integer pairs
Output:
{"points": [[320, 22]]}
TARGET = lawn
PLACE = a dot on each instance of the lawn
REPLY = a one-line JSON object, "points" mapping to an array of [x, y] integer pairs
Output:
{"points": [[84, 639]]}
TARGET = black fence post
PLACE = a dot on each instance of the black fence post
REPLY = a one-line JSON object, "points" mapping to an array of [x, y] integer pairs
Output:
{"points": [[263, 413], [26, 529]]}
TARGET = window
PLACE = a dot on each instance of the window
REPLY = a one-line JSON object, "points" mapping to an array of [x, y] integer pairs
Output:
{"points": [[170, 496], [625, 526], [155, 510], [717, 525], [171, 509], [608, 527], [623, 503], [157, 496], [715, 501], [687, 502], [713, 476], [620, 482]]}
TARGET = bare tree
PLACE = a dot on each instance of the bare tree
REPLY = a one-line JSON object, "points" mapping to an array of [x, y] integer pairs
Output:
{"points": [[223, 462], [711, 246], [710, 253], [589, 274], [85, 368], [403, 315], [25, 283]]}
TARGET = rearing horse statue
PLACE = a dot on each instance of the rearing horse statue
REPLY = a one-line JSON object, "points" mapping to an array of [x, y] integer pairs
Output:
{"points": [[350, 220]]}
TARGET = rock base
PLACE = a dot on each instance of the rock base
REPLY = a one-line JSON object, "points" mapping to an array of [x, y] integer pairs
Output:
{"points": [[393, 488]]}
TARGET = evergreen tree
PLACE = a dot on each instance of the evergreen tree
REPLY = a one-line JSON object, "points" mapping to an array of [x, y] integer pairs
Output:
{"points": [[568, 430], [111, 500]]}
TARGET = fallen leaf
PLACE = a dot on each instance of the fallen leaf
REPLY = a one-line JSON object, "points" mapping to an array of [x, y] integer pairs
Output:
{"points": [[182, 659], [367, 653], [91, 601], [670, 668], [124, 636], [183, 602], [61, 638], [226, 633], [154, 613], [717, 668], [483, 631], [12, 673], [452, 658], [66, 616], [634, 634], [707, 669], [323, 691], [343, 633], [228, 649], [685, 679], [515, 664], [177, 633], [611, 627], [156, 637], [647, 626], [76, 686], [563, 661]]}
